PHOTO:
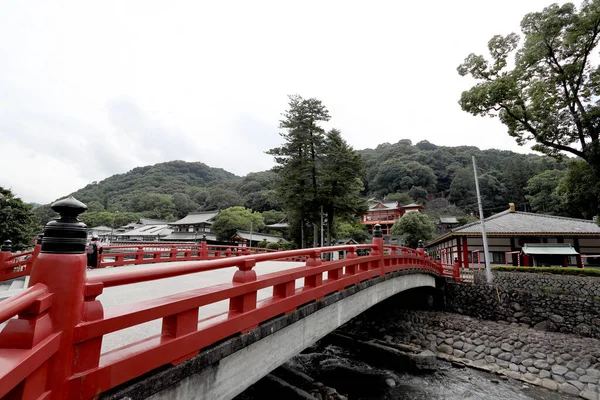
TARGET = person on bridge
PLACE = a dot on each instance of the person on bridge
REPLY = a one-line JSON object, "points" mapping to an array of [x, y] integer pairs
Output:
{"points": [[94, 249]]}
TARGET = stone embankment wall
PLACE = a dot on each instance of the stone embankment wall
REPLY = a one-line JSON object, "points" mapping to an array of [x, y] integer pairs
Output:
{"points": [[556, 361], [554, 303]]}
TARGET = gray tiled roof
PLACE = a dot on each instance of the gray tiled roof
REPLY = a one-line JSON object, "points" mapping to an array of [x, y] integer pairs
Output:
{"points": [[523, 222], [196, 218], [387, 205], [260, 237], [147, 230], [187, 236]]}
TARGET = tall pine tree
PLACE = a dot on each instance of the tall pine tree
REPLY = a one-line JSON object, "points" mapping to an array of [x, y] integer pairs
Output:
{"points": [[316, 169]]}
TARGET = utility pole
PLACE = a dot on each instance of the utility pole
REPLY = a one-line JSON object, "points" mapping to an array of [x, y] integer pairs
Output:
{"points": [[488, 270], [250, 234], [321, 226]]}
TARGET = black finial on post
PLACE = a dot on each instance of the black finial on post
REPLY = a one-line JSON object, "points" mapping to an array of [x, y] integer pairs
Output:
{"points": [[66, 235], [420, 245], [377, 233], [7, 246], [204, 238]]}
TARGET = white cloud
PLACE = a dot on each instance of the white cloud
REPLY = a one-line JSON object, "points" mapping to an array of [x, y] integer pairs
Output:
{"points": [[92, 89]]}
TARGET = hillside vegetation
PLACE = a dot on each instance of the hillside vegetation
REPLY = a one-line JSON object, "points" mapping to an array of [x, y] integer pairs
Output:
{"points": [[422, 172]]}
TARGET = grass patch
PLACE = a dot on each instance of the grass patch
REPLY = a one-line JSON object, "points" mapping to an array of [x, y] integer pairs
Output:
{"points": [[550, 270]]}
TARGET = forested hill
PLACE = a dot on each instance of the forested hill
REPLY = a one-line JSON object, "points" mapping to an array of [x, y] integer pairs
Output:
{"points": [[400, 171], [424, 169]]}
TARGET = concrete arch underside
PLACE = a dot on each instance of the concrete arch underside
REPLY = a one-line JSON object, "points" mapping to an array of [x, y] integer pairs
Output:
{"points": [[228, 368]]}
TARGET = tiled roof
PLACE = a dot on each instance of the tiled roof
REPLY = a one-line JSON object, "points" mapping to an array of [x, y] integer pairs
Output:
{"points": [[387, 205], [412, 205], [148, 221], [260, 237], [196, 218], [148, 230], [101, 228], [515, 223], [187, 236]]}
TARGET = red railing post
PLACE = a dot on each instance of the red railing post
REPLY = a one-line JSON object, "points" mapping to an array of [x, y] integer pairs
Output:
{"points": [[244, 274], [89, 350], [139, 256], [5, 254], [228, 252], [313, 261], [203, 252], [456, 271], [351, 255], [61, 266]]}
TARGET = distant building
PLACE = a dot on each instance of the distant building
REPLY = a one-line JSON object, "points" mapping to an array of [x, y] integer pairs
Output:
{"points": [[193, 228], [532, 239], [144, 233], [249, 239], [102, 231], [446, 224], [386, 214]]}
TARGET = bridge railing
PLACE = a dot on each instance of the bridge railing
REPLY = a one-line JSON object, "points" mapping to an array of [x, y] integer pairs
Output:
{"points": [[59, 355], [15, 265], [117, 256]]}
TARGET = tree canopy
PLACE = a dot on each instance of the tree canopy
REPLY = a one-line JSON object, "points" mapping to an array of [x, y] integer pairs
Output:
{"points": [[236, 218], [318, 171], [17, 221], [415, 226], [549, 92]]}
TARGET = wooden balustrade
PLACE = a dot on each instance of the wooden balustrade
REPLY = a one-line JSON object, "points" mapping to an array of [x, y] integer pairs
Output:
{"points": [[52, 350]]}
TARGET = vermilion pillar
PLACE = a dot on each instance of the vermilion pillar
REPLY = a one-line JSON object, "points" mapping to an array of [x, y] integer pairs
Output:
{"points": [[61, 266]]}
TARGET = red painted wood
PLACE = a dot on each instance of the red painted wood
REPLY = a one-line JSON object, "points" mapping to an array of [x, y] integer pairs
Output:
{"points": [[65, 304]]}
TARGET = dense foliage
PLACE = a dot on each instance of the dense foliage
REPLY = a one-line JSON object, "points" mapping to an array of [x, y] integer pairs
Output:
{"points": [[319, 173], [17, 221], [415, 226], [549, 94], [236, 218]]}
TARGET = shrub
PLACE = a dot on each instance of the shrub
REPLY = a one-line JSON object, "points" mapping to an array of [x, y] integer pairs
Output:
{"points": [[273, 246]]}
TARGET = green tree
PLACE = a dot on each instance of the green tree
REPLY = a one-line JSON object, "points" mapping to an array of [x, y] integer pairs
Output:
{"points": [[350, 230], [402, 198], [236, 218], [578, 188], [549, 94], [543, 194], [273, 216], [415, 226], [297, 161], [17, 221], [44, 214], [340, 181], [183, 204]]}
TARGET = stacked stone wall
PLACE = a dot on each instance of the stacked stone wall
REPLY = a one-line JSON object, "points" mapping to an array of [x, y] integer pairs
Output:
{"points": [[555, 303]]}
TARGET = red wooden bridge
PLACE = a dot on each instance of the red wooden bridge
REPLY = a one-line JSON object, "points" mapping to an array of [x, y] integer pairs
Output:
{"points": [[50, 346]]}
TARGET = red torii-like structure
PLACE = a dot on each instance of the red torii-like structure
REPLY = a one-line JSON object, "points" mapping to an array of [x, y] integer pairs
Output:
{"points": [[52, 350]]}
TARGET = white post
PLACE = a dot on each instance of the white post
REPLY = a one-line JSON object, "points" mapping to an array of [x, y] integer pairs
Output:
{"points": [[321, 226], [488, 269]]}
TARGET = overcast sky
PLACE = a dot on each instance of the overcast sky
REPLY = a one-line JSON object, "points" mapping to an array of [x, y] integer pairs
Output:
{"points": [[91, 89]]}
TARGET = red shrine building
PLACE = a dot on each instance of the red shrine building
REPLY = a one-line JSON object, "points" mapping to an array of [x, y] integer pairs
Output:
{"points": [[521, 238], [386, 214]]}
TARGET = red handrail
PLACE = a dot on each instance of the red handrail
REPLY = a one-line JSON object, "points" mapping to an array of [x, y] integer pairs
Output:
{"points": [[76, 340], [19, 302]]}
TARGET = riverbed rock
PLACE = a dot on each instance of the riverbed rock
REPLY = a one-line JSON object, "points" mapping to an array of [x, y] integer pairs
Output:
{"points": [[568, 388], [559, 370], [588, 379], [589, 395], [549, 384], [446, 349], [507, 347], [457, 345], [459, 353], [544, 373]]}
